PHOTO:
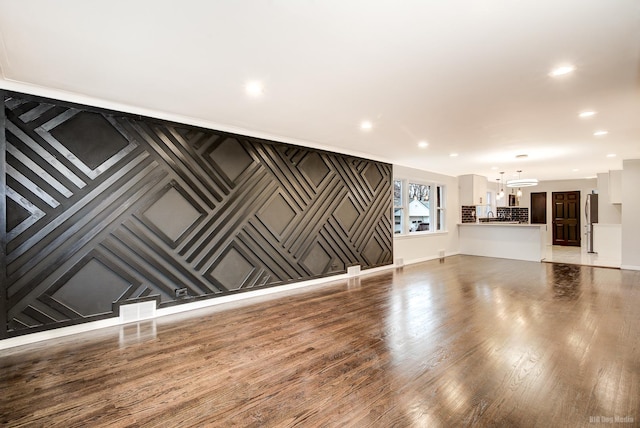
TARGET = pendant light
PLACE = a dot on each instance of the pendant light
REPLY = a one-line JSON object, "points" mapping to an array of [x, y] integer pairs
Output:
{"points": [[519, 192], [497, 189], [501, 194], [522, 182]]}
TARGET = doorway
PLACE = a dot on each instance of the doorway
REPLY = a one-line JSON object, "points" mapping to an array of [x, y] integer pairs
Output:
{"points": [[566, 218], [539, 208]]}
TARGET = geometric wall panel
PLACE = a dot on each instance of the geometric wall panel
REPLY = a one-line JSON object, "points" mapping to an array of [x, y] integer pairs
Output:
{"points": [[373, 176], [314, 167], [172, 214], [346, 214], [105, 141], [231, 158], [102, 208], [373, 251], [92, 289], [232, 269], [317, 260], [277, 214]]}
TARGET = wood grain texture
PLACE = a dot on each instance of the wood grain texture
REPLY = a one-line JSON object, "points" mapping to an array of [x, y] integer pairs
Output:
{"points": [[469, 342]]}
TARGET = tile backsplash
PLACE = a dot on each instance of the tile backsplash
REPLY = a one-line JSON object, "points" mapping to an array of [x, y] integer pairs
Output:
{"points": [[519, 214], [468, 213]]}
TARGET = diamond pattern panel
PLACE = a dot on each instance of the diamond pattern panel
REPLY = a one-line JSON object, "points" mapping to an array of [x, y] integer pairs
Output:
{"points": [[105, 209], [277, 214], [318, 260], [172, 215], [346, 214], [90, 137], [373, 176], [92, 289], [232, 269], [314, 167], [231, 158]]}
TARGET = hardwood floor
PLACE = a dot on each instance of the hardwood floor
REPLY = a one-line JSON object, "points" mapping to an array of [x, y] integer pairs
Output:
{"points": [[472, 341]]}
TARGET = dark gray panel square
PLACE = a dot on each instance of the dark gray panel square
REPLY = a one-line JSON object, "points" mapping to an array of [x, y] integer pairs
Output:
{"points": [[277, 215], [172, 214], [314, 168], [373, 251], [92, 289], [232, 270], [373, 176], [346, 214], [90, 137], [231, 158], [317, 260]]}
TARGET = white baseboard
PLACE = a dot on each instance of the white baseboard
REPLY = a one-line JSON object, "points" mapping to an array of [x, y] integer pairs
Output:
{"points": [[185, 307], [630, 267], [429, 258]]}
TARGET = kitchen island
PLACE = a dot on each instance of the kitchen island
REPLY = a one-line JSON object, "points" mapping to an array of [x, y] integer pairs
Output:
{"points": [[518, 241]]}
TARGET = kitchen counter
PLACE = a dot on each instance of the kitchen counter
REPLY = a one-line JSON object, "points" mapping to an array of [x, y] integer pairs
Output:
{"points": [[505, 240], [500, 223]]}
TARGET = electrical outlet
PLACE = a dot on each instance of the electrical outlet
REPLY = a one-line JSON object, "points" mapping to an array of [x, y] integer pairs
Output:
{"points": [[182, 292]]}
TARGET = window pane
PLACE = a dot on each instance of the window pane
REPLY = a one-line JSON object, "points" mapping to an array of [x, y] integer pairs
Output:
{"points": [[440, 225], [398, 220], [397, 193], [419, 208]]}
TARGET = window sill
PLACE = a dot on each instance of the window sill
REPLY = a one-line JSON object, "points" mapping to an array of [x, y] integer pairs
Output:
{"points": [[419, 234]]}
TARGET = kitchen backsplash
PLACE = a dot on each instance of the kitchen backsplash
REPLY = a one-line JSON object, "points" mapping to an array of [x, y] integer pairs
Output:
{"points": [[468, 213], [518, 214]]}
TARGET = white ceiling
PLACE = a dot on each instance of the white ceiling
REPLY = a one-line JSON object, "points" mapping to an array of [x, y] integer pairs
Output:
{"points": [[468, 76]]}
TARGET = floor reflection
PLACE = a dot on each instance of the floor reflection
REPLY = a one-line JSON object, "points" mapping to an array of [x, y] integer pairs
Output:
{"points": [[136, 333], [565, 281]]}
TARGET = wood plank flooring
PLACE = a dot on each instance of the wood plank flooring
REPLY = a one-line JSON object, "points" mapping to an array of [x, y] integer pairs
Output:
{"points": [[472, 341]]}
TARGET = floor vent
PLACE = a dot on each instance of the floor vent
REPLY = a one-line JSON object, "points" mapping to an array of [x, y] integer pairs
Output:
{"points": [[138, 311]]}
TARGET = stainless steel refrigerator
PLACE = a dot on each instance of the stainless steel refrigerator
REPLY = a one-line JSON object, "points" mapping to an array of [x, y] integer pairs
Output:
{"points": [[591, 211]]}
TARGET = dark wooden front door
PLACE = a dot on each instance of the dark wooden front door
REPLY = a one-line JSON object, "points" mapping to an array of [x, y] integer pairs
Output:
{"points": [[566, 218], [539, 208]]}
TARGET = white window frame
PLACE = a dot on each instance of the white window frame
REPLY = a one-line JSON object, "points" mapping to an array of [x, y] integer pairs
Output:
{"points": [[400, 207], [434, 210]]}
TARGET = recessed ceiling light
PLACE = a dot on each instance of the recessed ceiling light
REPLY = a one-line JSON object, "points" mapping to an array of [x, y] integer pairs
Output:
{"points": [[453, 155], [255, 88], [588, 113], [495, 168], [423, 144], [522, 156], [366, 125], [575, 170], [611, 155], [562, 70], [600, 133]]}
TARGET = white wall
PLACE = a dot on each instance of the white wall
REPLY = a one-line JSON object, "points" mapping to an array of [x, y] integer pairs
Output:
{"points": [[608, 213], [631, 214], [419, 247], [584, 186]]}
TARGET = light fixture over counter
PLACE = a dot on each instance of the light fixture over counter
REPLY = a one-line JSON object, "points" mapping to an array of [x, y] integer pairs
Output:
{"points": [[522, 182]]}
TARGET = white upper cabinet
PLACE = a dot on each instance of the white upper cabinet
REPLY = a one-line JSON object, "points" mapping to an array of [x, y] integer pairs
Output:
{"points": [[615, 187], [473, 189]]}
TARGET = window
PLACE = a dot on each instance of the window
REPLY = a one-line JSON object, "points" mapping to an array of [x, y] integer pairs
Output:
{"points": [[440, 213], [398, 209], [419, 211], [418, 207]]}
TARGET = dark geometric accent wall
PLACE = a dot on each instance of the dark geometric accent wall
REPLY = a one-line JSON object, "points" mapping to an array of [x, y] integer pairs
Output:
{"points": [[103, 208]]}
